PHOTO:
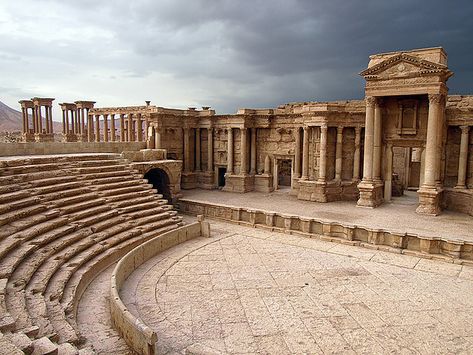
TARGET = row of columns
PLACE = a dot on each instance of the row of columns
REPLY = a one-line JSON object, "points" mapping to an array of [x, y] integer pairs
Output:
{"points": [[323, 154], [74, 120], [243, 151], [198, 150], [373, 140], [37, 124], [131, 128]]}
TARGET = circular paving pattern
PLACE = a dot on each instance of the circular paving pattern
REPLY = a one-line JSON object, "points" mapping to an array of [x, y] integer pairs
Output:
{"points": [[251, 291]]}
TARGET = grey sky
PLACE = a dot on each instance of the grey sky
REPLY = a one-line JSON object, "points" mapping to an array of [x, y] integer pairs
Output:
{"points": [[222, 53]]}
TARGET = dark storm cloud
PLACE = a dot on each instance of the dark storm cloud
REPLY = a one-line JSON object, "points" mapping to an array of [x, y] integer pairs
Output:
{"points": [[230, 54]]}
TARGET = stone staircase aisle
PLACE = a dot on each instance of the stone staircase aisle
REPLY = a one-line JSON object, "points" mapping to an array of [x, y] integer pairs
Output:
{"points": [[64, 219]]}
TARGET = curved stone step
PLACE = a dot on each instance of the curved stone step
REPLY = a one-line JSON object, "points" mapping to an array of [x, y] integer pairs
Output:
{"points": [[117, 185], [98, 169], [123, 190], [82, 206], [14, 196], [51, 181], [119, 197], [27, 223], [58, 196], [21, 213], [97, 218], [57, 187], [19, 203], [76, 216]]}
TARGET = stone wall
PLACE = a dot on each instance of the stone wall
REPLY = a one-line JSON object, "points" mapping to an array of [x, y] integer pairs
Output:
{"points": [[139, 336], [44, 148]]}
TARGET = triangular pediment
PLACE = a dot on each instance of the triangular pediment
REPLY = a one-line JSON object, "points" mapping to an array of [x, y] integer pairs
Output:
{"points": [[403, 65]]}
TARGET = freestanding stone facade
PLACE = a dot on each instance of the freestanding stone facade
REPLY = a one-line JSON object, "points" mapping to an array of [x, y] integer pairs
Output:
{"points": [[406, 134]]}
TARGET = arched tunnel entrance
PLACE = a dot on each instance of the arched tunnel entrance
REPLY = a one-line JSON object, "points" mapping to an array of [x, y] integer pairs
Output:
{"points": [[160, 181]]}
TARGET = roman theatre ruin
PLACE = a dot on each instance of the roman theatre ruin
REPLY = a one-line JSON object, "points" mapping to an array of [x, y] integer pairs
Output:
{"points": [[313, 227]]}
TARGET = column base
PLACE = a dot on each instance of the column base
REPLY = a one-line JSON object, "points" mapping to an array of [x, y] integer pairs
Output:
{"points": [[206, 180], [371, 194], [430, 199], [310, 190], [70, 137], [44, 137], [239, 183], [264, 183], [188, 180], [28, 137]]}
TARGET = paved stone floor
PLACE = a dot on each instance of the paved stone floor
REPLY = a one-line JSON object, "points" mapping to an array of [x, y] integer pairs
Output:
{"points": [[250, 291], [398, 216]]}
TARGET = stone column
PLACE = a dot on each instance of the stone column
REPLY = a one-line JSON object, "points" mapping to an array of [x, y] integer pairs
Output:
{"points": [[389, 173], [97, 128], [323, 153], [356, 157], [73, 123], [90, 128], [35, 123], [105, 127], [79, 123], [40, 120], [27, 121], [297, 153], [187, 154], [463, 157], [377, 139], [431, 155], [83, 116], [305, 155], [112, 127], [130, 128], [243, 151], [338, 154], [230, 151], [158, 143], [122, 127], [139, 128], [210, 150], [66, 111], [63, 122], [47, 119], [422, 167], [369, 132], [197, 149], [253, 152]]}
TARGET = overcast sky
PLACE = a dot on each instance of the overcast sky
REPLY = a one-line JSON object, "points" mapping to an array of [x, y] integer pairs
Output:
{"points": [[221, 53]]}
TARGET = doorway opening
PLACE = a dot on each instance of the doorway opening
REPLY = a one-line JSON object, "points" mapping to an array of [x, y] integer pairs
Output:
{"points": [[160, 181], [284, 173], [221, 176]]}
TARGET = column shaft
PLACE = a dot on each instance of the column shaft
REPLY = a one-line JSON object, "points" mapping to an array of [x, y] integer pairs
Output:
{"points": [[210, 150], [112, 127], [369, 132], [35, 122], [130, 128], [297, 154], [377, 138], [463, 157], [139, 128], [230, 151], [197, 149], [122, 127], [158, 138], [40, 121], [47, 119], [389, 173], [431, 144], [323, 153], [187, 154], [305, 155], [90, 128], [356, 157], [253, 152], [105, 127], [97, 128], [244, 151], [338, 154]]}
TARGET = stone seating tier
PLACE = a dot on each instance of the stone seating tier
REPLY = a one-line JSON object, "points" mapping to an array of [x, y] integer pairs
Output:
{"points": [[63, 220]]}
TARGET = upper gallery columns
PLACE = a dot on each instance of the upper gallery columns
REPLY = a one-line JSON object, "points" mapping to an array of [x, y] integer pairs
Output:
{"points": [[463, 157]]}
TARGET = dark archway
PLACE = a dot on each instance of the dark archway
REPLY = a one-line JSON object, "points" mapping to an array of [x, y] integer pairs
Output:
{"points": [[160, 181]]}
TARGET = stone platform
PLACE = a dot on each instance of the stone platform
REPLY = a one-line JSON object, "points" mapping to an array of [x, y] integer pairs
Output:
{"points": [[393, 226], [253, 291]]}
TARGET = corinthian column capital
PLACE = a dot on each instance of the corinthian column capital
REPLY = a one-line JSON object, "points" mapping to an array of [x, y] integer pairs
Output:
{"points": [[370, 101], [435, 98]]}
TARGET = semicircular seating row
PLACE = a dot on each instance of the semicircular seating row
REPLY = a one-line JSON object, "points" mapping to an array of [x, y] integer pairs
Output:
{"points": [[62, 221]]}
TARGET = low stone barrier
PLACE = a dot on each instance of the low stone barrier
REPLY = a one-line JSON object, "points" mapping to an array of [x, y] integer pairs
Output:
{"points": [[452, 250], [141, 338], [44, 148]]}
